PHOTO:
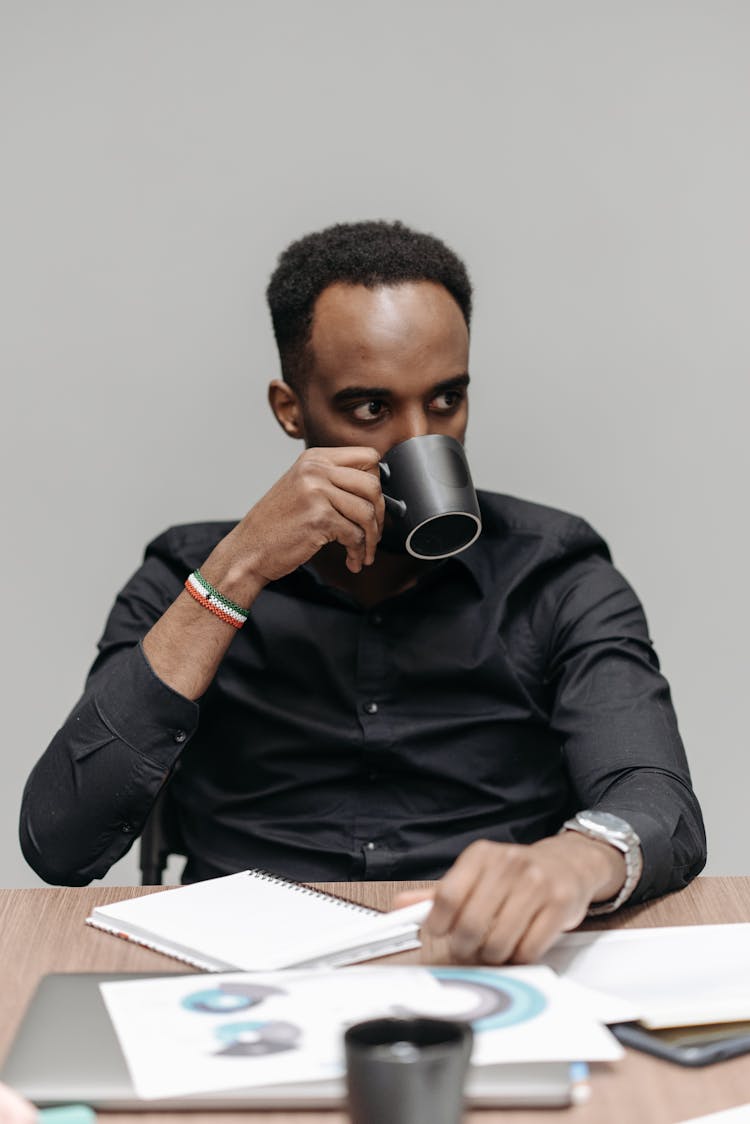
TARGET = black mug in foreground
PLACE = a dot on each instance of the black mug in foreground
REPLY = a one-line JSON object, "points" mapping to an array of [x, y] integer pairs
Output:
{"points": [[407, 1071], [429, 497]]}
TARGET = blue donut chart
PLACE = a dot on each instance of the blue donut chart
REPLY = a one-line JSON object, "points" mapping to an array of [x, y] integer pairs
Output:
{"points": [[228, 997], [501, 1001], [257, 1039]]}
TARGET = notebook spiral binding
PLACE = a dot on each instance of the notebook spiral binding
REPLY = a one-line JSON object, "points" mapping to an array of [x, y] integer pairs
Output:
{"points": [[184, 958], [300, 888]]}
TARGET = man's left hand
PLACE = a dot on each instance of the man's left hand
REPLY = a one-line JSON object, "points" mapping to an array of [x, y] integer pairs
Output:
{"points": [[508, 902]]}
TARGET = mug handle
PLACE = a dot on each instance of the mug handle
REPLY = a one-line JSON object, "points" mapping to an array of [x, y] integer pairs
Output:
{"points": [[396, 507]]}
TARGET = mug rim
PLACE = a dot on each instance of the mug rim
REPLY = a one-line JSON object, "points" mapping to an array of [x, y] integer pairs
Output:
{"points": [[423, 437], [432, 519], [449, 1033]]}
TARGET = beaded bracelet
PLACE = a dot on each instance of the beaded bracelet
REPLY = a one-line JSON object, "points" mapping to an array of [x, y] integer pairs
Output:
{"points": [[216, 603]]}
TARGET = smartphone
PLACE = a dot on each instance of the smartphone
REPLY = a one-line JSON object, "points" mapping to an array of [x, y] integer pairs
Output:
{"points": [[687, 1045]]}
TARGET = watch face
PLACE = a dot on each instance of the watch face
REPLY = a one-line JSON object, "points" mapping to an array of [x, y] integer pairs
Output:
{"points": [[607, 821]]}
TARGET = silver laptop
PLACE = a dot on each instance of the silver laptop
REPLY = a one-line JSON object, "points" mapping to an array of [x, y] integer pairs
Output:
{"points": [[66, 1052]]}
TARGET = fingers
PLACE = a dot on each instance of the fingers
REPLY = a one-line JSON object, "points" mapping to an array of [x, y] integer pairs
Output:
{"points": [[456, 887], [357, 482], [470, 896], [524, 926], [485, 917], [410, 897], [356, 495], [359, 541], [328, 495], [505, 902], [542, 932], [362, 457]]}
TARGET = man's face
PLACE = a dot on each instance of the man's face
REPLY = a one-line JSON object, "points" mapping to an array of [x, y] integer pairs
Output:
{"points": [[387, 364]]}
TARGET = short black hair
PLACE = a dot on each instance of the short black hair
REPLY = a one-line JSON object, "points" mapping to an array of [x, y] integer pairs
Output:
{"points": [[358, 253]]}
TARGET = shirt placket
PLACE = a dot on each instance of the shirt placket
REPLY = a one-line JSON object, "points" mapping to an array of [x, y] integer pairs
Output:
{"points": [[375, 724]]}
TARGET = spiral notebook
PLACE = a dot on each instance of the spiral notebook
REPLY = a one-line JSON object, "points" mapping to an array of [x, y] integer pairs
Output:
{"points": [[253, 921]]}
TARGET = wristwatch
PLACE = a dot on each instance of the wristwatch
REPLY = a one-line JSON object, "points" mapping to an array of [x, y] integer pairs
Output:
{"points": [[618, 833]]}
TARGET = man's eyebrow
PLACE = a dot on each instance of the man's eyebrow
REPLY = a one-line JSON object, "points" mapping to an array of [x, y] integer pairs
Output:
{"points": [[358, 393], [457, 383], [351, 392]]}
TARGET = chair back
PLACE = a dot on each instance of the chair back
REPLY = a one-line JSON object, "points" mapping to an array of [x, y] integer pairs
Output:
{"points": [[160, 838]]}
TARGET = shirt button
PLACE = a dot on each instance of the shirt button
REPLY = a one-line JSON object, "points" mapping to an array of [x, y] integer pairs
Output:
{"points": [[369, 846], [126, 829], [179, 736], [370, 708], [377, 618]]}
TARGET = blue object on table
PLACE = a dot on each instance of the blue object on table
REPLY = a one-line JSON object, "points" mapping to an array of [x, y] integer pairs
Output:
{"points": [[67, 1114]]}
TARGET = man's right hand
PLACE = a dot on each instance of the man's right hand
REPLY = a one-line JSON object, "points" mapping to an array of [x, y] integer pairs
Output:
{"points": [[328, 495]]}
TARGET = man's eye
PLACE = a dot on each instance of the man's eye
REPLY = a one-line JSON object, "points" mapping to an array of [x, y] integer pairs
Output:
{"points": [[367, 411], [448, 400]]}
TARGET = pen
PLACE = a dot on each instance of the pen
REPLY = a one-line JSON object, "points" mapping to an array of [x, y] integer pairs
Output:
{"points": [[580, 1090]]}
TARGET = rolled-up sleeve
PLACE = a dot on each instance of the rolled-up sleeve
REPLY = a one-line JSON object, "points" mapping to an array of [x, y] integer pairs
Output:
{"points": [[613, 711], [90, 793]]}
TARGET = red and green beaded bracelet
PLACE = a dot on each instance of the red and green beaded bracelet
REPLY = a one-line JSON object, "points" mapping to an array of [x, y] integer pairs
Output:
{"points": [[210, 598]]}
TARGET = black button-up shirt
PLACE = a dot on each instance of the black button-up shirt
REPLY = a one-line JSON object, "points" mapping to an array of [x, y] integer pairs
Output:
{"points": [[512, 685]]}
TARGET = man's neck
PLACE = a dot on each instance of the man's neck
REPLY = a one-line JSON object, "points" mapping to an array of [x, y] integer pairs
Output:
{"points": [[388, 575]]}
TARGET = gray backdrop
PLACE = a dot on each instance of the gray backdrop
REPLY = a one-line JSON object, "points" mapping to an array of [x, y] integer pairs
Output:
{"points": [[591, 162]]}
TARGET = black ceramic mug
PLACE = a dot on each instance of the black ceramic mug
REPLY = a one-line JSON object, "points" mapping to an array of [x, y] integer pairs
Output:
{"points": [[407, 1071], [429, 497]]}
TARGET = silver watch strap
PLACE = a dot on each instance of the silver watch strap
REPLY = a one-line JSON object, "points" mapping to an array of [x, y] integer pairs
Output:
{"points": [[633, 871], [629, 846]]}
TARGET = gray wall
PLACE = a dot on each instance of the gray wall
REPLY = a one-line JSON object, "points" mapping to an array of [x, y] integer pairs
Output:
{"points": [[589, 159]]}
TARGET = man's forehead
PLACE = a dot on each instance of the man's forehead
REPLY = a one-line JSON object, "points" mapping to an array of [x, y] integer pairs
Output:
{"points": [[354, 321], [343, 298]]}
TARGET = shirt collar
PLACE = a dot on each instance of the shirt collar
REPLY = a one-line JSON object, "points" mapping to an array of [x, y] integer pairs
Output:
{"points": [[475, 561]]}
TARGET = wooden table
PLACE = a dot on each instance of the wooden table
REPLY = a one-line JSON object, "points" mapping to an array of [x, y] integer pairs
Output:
{"points": [[42, 930]]}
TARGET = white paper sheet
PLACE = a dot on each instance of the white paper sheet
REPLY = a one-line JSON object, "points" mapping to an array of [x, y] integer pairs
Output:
{"points": [[542, 1020], [192, 1034], [599, 1005], [673, 976], [739, 1115]]}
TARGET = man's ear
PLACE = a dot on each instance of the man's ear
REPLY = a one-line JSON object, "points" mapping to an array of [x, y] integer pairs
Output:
{"points": [[285, 403]]}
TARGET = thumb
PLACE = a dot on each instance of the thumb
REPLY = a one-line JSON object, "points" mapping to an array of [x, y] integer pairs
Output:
{"points": [[411, 897]]}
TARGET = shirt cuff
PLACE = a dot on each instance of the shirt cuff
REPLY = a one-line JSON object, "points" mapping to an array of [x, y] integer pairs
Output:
{"points": [[656, 847], [144, 712]]}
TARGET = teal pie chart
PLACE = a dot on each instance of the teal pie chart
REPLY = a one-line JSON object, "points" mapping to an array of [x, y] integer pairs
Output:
{"points": [[494, 1000]]}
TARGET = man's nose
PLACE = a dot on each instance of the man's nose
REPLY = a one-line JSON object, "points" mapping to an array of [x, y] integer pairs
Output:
{"points": [[413, 424]]}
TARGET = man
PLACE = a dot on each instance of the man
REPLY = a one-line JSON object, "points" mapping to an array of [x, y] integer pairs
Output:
{"points": [[377, 716]]}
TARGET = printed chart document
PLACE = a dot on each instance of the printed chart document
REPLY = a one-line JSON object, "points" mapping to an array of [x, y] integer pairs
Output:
{"points": [[192, 1034], [254, 921], [673, 976]]}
